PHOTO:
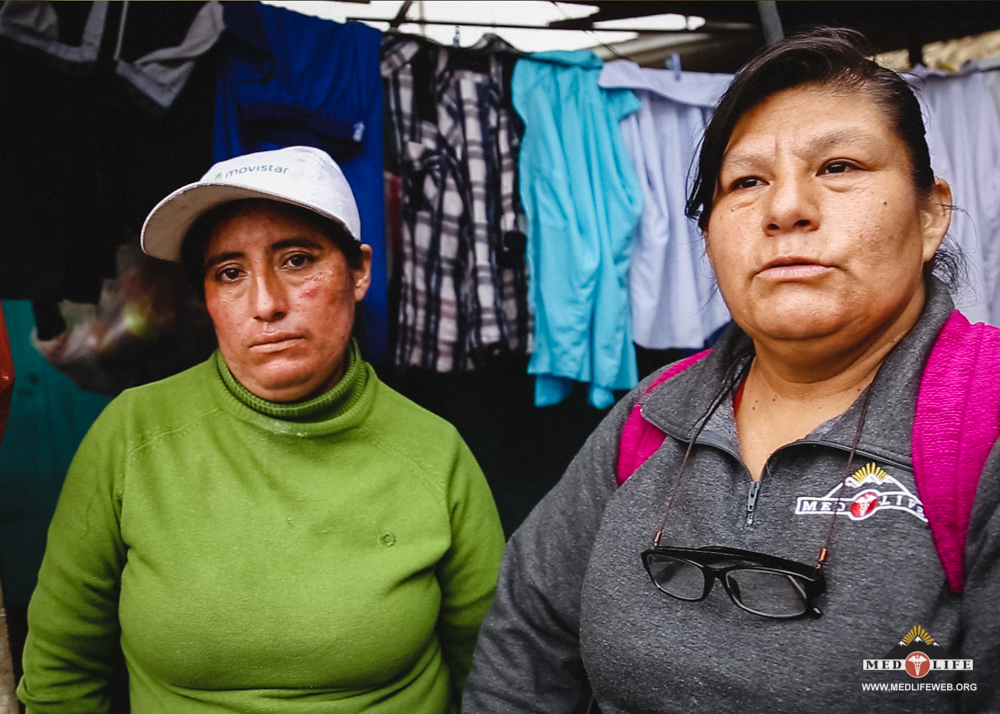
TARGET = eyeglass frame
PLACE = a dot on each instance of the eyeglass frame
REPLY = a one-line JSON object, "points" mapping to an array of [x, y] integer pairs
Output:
{"points": [[811, 577]]}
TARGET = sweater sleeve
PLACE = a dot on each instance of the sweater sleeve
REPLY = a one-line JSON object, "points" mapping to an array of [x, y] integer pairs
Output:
{"points": [[528, 655], [981, 600], [73, 628], [468, 572]]}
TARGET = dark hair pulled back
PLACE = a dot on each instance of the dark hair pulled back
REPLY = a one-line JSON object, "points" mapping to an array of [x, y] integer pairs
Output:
{"points": [[825, 57]]}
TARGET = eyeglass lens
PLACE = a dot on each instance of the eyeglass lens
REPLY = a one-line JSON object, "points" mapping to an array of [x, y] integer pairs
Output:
{"points": [[680, 578], [764, 592]]}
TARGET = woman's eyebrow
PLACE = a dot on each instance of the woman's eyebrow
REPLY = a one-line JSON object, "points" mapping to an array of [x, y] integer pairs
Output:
{"points": [[297, 242], [833, 139], [836, 137], [221, 258]]}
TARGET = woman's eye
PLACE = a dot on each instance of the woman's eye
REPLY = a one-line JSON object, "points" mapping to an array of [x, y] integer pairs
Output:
{"points": [[298, 260], [228, 275], [838, 167], [745, 182]]}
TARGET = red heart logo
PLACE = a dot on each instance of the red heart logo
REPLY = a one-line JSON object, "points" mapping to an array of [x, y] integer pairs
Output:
{"points": [[864, 504]]}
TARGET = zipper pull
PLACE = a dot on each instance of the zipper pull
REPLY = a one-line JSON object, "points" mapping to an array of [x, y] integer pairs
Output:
{"points": [[752, 501]]}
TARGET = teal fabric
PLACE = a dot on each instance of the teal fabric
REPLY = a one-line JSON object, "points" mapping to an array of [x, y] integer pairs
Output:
{"points": [[48, 418], [582, 201]]}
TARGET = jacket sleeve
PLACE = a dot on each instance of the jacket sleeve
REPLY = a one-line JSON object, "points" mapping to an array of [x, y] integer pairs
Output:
{"points": [[528, 655], [981, 600], [73, 631], [468, 572]]}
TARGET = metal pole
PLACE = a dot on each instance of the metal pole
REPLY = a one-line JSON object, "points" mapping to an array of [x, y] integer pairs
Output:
{"points": [[771, 21]]}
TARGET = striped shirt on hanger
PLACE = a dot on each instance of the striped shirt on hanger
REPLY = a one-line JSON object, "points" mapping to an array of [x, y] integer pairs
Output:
{"points": [[463, 292]]}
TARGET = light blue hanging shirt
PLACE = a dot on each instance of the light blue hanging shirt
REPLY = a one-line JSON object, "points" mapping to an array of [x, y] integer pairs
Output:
{"points": [[582, 202], [675, 301]]}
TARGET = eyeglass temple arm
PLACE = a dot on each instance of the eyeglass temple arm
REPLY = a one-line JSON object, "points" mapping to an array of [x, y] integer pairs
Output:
{"points": [[869, 390], [727, 386], [822, 558]]}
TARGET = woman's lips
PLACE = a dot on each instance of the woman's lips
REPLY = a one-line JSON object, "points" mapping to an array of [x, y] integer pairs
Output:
{"points": [[799, 270]]}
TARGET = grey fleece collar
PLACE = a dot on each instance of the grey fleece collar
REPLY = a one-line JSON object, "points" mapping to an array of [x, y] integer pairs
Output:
{"points": [[677, 405]]}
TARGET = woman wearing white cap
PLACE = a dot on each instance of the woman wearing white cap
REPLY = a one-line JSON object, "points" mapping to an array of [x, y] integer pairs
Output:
{"points": [[273, 530]]}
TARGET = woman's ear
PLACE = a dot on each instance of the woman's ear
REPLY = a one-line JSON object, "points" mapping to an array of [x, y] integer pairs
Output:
{"points": [[936, 217], [362, 276], [708, 253]]}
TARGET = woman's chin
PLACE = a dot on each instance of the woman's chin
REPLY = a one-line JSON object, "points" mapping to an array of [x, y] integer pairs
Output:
{"points": [[801, 324]]}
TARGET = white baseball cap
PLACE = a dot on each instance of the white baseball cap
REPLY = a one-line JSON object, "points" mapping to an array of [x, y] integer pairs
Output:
{"points": [[299, 175]]}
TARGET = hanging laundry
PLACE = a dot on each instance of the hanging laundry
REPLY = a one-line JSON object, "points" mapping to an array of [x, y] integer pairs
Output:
{"points": [[963, 134], [161, 74], [582, 201], [84, 159], [675, 302], [155, 46], [990, 69], [463, 287], [72, 35], [291, 79]]}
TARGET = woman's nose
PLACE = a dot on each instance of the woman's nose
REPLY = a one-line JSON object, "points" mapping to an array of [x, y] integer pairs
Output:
{"points": [[791, 205], [269, 298]]}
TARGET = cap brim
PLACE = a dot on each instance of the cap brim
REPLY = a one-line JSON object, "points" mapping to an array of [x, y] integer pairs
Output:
{"points": [[168, 223]]}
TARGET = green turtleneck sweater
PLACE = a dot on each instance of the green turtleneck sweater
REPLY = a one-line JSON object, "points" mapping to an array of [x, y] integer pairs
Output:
{"points": [[333, 556]]}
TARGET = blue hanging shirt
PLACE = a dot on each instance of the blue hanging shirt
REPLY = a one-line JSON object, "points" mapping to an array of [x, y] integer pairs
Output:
{"points": [[582, 201], [291, 79]]}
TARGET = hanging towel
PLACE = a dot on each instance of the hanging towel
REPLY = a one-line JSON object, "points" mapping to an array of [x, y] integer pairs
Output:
{"points": [[675, 301], [582, 201], [291, 79], [462, 282]]}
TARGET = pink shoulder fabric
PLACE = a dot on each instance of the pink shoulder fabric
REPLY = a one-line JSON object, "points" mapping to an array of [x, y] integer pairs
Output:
{"points": [[640, 438], [957, 422]]}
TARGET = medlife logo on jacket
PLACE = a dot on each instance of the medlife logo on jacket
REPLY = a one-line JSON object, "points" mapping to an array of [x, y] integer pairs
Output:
{"points": [[868, 490], [918, 655]]}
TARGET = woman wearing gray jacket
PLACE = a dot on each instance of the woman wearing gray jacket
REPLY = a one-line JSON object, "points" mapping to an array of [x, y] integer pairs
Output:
{"points": [[773, 554]]}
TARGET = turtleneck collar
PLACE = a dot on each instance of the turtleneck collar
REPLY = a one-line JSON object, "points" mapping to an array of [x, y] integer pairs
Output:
{"points": [[335, 403]]}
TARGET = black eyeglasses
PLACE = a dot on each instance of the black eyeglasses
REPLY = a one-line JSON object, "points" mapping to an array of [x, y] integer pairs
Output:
{"points": [[761, 584]]}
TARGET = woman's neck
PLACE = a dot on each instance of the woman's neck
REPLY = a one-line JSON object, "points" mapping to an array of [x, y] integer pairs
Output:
{"points": [[792, 389]]}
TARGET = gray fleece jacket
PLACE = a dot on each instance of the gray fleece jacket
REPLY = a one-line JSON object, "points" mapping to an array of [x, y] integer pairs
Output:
{"points": [[574, 601]]}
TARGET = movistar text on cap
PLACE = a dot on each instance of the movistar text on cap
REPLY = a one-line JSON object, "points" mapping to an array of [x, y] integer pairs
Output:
{"points": [[250, 169]]}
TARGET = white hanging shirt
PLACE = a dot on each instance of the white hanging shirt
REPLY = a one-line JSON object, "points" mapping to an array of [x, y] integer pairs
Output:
{"points": [[674, 299], [963, 135]]}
